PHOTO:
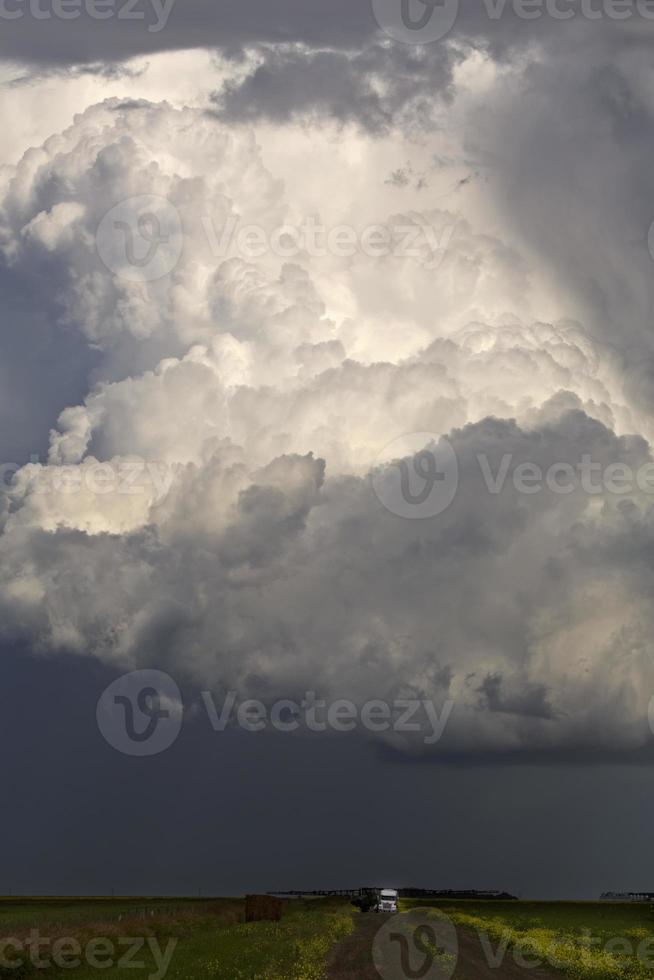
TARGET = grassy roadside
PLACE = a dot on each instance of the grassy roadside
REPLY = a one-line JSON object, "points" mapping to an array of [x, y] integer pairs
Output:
{"points": [[179, 942], [583, 940], [296, 948]]}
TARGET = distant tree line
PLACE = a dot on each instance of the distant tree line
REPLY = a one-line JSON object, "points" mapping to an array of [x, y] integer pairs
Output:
{"points": [[627, 897], [403, 893]]}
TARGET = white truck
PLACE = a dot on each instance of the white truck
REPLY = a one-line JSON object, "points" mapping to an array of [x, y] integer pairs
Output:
{"points": [[387, 900]]}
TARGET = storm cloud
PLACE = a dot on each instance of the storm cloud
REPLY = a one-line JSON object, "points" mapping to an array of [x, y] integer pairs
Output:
{"points": [[262, 394]]}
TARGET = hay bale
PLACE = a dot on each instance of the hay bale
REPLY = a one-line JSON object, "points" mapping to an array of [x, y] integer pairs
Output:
{"points": [[263, 908]]}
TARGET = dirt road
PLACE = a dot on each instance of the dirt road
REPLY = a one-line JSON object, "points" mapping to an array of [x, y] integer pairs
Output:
{"points": [[352, 959]]}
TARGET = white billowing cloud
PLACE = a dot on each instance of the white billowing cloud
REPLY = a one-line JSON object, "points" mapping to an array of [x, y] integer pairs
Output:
{"points": [[528, 611], [322, 402], [37, 101], [215, 180], [207, 505]]}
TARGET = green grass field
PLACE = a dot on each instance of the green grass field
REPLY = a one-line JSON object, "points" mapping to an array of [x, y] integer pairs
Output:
{"points": [[582, 940], [185, 939], [180, 940]]}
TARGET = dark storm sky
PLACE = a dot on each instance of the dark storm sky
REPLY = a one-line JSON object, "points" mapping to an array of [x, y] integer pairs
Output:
{"points": [[233, 812], [568, 153]]}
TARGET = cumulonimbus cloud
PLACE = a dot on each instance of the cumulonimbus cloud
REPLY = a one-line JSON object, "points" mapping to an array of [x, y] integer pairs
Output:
{"points": [[257, 555]]}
